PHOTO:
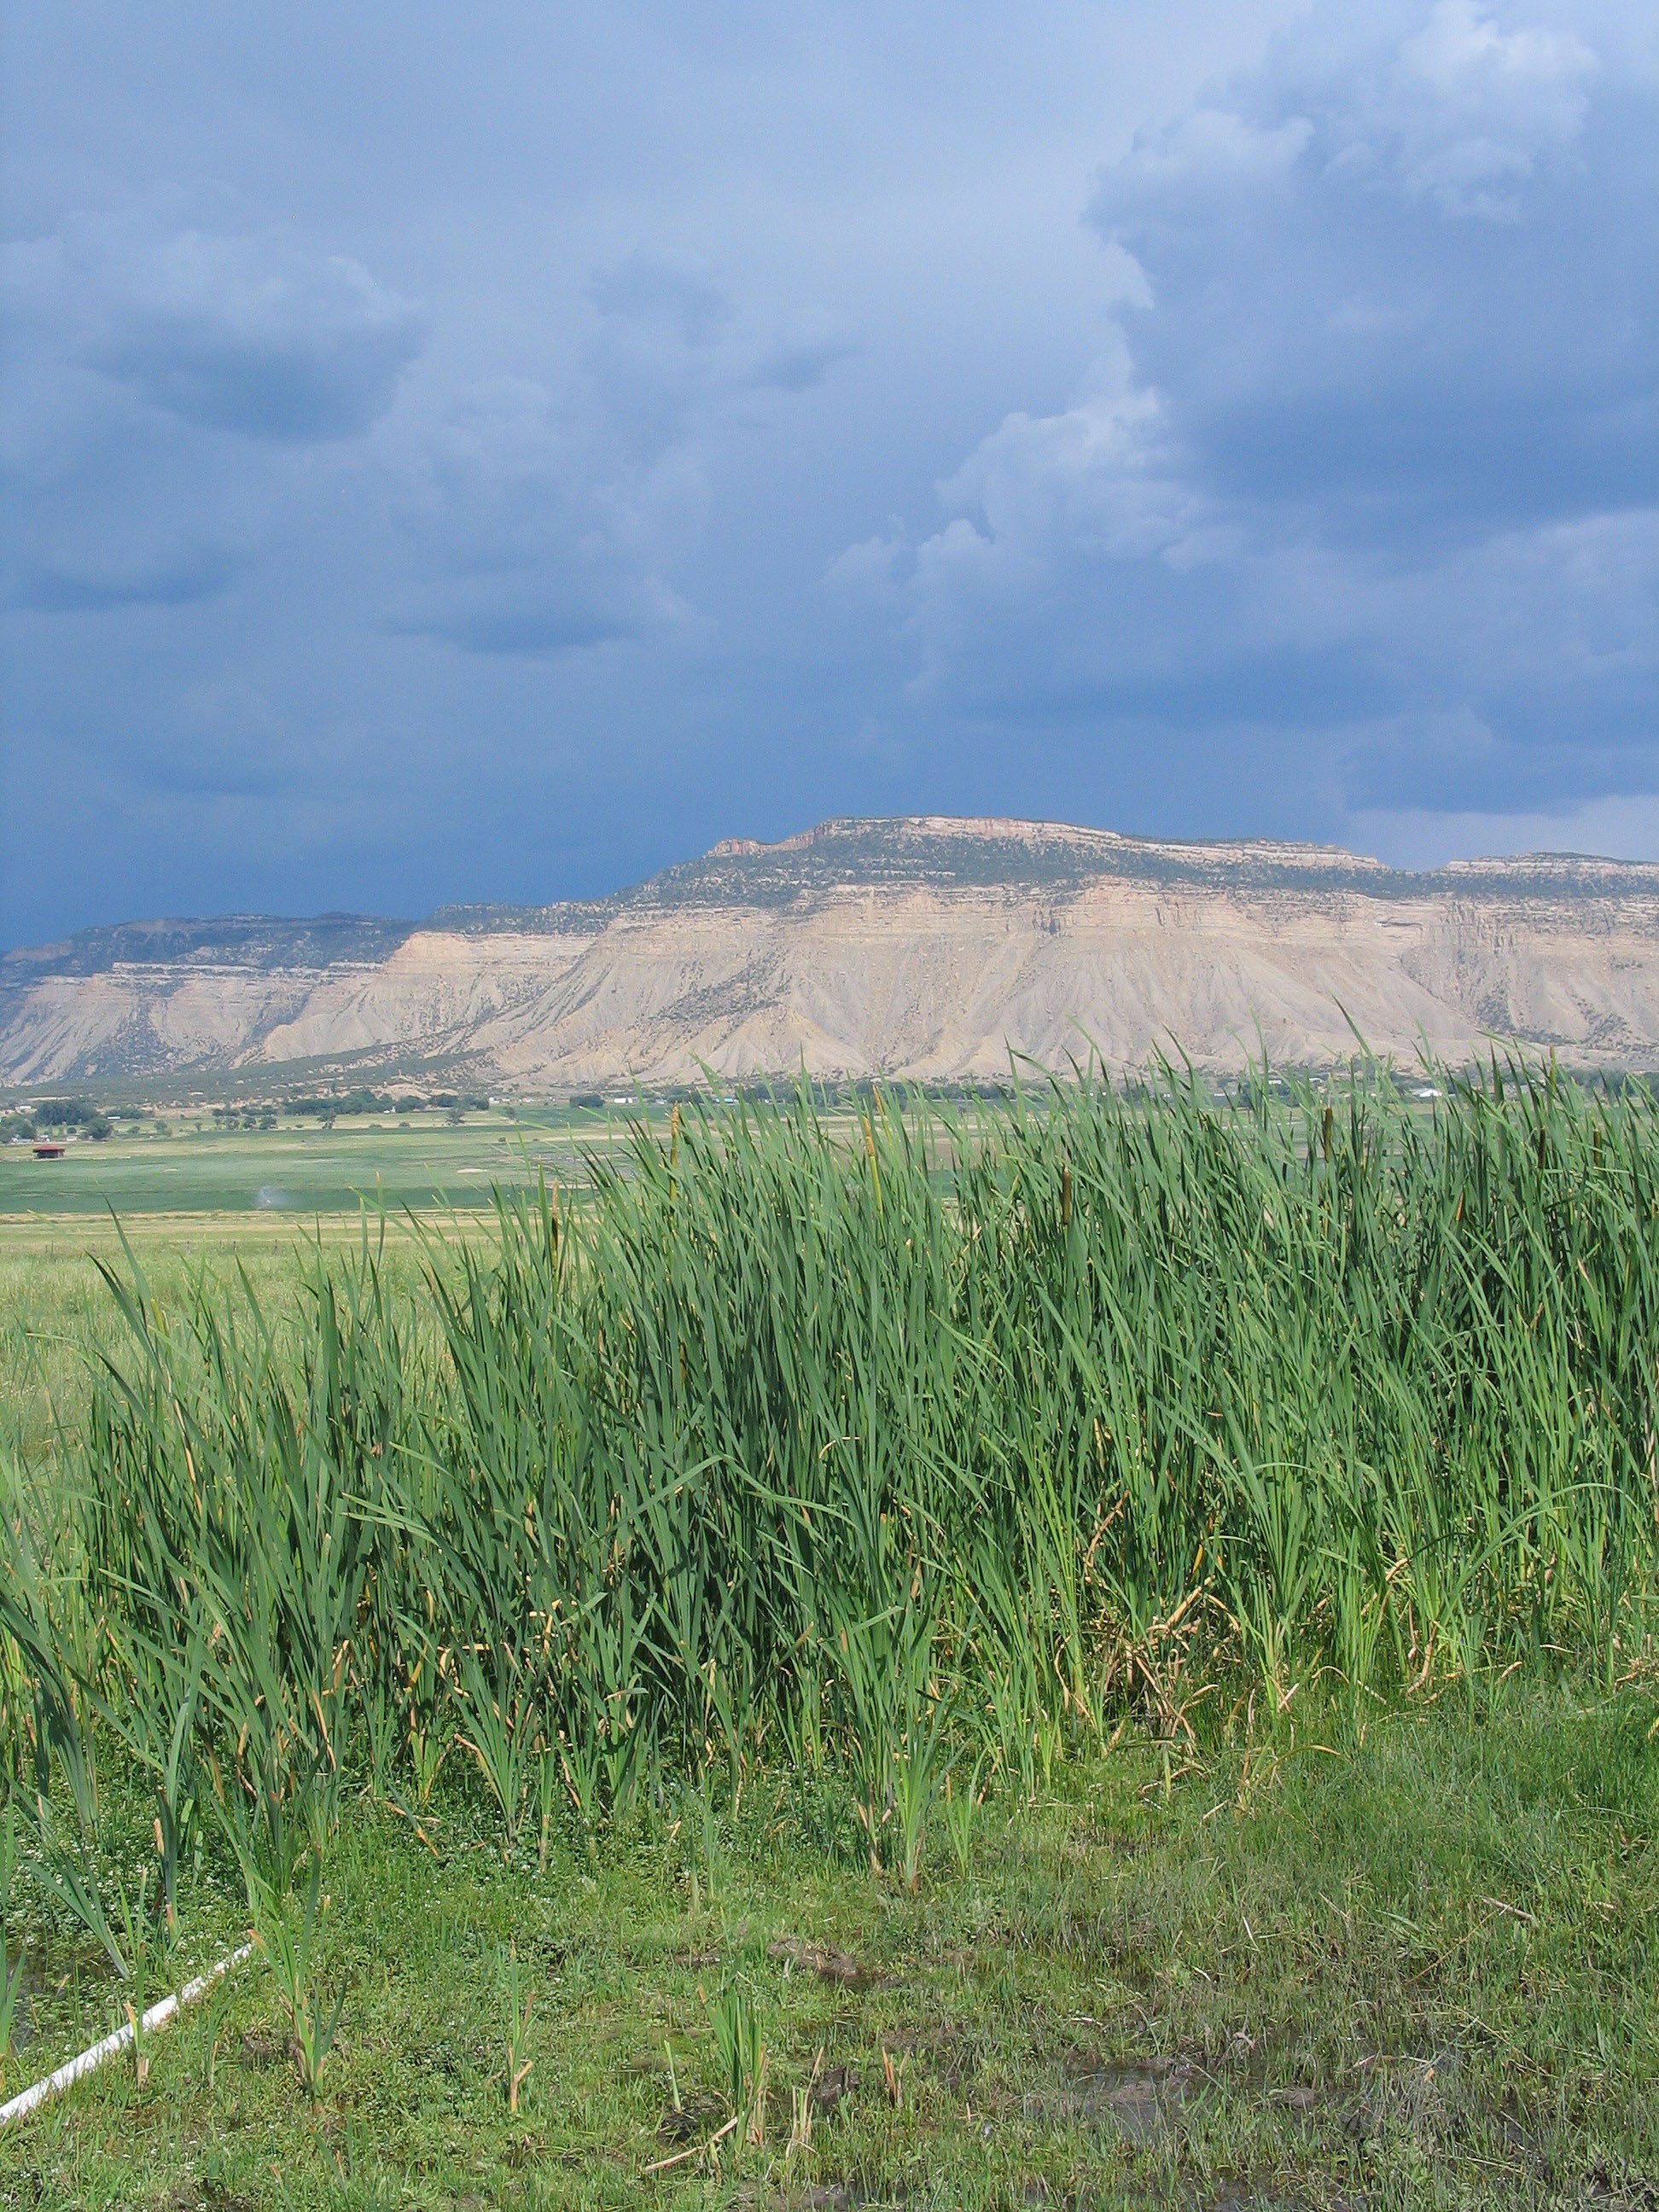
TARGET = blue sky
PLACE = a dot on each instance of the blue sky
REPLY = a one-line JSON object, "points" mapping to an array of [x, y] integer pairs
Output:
{"points": [[491, 454]]}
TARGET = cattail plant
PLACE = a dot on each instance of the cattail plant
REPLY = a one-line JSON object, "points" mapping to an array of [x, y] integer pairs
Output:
{"points": [[925, 1440]]}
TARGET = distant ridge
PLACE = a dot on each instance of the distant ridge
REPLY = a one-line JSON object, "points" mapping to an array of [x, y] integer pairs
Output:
{"points": [[316, 941], [925, 945]]}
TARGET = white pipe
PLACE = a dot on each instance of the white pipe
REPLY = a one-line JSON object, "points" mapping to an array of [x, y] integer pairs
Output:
{"points": [[28, 2101]]}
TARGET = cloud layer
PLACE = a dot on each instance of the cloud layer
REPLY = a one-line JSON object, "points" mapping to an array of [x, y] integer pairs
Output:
{"points": [[1374, 456], [610, 436]]}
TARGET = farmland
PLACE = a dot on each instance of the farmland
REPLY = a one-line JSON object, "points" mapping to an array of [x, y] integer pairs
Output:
{"points": [[194, 1163], [189, 1186], [1077, 1649]]}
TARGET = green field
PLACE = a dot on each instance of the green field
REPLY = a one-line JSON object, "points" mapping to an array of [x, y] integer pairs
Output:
{"points": [[300, 1169], [1103, 1655], [199, 1195]]}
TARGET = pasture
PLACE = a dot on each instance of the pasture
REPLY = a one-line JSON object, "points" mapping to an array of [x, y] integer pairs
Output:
{"points": [[187, 1191], [188, 1162], [1086, 1652]]}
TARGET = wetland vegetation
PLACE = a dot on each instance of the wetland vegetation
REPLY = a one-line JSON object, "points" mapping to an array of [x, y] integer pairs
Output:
{"points": [[1071, 1647]]}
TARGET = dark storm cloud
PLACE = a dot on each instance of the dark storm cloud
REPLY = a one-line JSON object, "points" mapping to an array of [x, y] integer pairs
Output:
{"points": [[802, 360], [248, 333], [1411, 285], [226, 336], [543, 521], [545, 518], [113, 516], [144, 353], [452, 464], [1376, 450], [643, 288], [196, 574]]}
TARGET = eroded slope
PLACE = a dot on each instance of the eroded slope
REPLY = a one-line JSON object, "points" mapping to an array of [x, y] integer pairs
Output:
{"points": [[926, 947]]}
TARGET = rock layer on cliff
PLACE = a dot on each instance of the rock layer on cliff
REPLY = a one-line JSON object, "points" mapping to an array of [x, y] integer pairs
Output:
{"points": [[924, 947]]}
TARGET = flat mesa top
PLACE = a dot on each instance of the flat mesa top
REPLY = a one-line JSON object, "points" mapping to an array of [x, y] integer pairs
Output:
{"points": [[929, 850]]}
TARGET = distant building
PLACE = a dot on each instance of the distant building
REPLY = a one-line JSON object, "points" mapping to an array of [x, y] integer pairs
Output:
{"points": [[50, 1152]]}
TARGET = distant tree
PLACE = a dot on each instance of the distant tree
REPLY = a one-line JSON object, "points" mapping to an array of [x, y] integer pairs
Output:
{"points": [[70, 1114]]}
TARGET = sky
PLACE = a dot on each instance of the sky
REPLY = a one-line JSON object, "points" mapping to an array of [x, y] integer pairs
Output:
{"points": [[490, 454]]}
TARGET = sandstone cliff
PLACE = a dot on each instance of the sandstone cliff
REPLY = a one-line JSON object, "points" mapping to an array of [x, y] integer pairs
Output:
{"points": [[925, 947]]}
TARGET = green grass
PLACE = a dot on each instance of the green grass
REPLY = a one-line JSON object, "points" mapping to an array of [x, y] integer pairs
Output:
{"points": [[1419, 1975], [58, 1322], [1168, 1589], [296, 1169], [233, 1198]]}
